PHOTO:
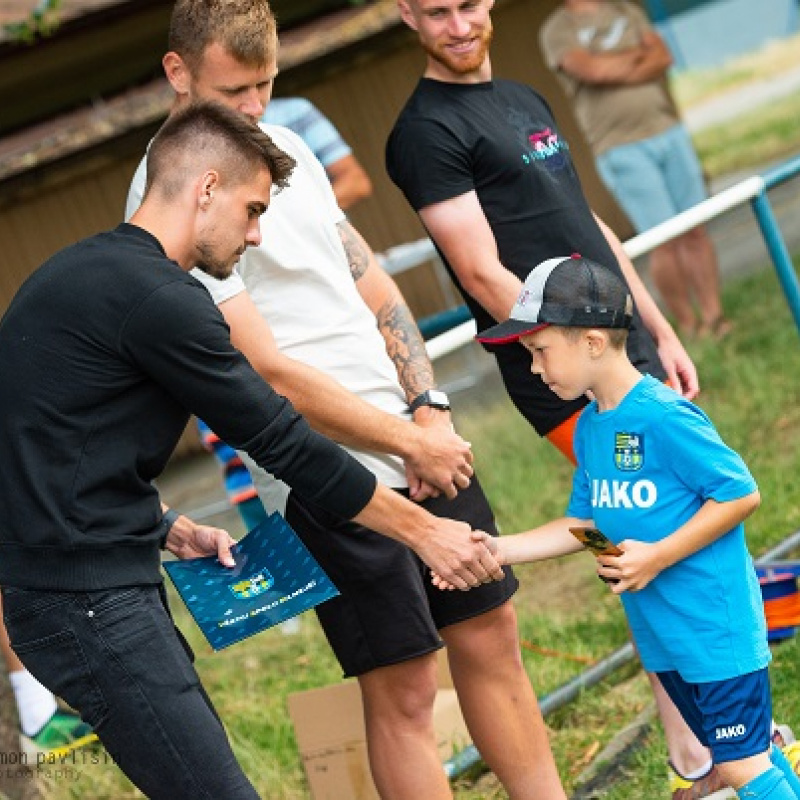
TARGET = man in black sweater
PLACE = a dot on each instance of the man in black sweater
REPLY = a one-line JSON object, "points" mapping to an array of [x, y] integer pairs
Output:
{"points": [[105, 350]]}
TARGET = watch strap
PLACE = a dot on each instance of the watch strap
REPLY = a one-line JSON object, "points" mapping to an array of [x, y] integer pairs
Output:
{"points": [[434, 398]]}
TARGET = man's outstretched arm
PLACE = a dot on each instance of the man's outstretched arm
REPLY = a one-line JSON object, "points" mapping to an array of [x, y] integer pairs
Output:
{"points": [[442, 455]]}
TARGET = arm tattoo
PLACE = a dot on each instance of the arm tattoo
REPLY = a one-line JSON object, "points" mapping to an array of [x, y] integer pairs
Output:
{"points": [[357, 256], [404, 342], [406, 348]]}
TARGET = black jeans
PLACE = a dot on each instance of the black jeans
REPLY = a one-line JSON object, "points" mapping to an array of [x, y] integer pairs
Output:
{"points": [[116, 657]]}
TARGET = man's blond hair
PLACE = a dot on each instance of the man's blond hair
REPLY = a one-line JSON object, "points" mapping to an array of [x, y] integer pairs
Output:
{"points": [[244, 28]]}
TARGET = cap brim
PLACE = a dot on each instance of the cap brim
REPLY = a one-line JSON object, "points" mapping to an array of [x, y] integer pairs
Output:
{"points": [[509, 331]]}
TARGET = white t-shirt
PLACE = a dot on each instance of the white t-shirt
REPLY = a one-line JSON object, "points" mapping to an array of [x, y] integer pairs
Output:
{"points": [[300, 280]]}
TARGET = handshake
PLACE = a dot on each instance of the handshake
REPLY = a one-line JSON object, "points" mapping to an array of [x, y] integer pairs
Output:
{"points": [[492, 546]]}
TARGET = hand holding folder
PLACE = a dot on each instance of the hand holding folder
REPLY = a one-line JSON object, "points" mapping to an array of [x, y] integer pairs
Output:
{"points": [[275, 578]]}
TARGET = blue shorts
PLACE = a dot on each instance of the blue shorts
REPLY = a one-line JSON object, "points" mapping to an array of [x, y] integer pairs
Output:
{"points": [[654, 179], [733, 718]]}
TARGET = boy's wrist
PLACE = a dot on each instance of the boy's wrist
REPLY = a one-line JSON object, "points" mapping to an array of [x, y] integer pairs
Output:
{"points": [[665, 553]]}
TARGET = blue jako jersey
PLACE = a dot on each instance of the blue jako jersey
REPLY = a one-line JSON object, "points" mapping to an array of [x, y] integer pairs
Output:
{"points": [[644, 469]]}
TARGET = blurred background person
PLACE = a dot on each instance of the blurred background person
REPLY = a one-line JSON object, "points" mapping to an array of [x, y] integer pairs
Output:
{"points": [[349, 179], [613, 65]]}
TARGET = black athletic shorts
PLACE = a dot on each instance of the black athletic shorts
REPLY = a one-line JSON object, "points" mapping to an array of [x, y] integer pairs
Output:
{"points": [[388, 610]]}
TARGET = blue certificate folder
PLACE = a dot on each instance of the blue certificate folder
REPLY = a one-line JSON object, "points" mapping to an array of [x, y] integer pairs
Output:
{"points": [[275, 578]]}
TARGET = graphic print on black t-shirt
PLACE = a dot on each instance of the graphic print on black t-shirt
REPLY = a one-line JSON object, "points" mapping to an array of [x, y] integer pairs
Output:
{"points": [[542, 146]]}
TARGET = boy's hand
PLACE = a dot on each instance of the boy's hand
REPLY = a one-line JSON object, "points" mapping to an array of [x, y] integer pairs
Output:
{"points": [[490, 542], [634, 569]]}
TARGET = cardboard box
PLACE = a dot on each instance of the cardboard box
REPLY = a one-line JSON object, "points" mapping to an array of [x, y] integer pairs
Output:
{"points": [[329, 727]]}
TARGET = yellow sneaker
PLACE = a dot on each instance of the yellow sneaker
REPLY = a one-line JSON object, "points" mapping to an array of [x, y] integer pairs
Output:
{"points": [[61, 734], [709, 787]]}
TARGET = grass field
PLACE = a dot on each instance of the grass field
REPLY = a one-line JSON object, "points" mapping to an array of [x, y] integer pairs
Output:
{"points": [[768, 134], [751, 388], [695, 86]]}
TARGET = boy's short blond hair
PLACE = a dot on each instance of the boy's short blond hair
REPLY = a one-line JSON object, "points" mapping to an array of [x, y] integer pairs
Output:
{"points": [[617, 337]]}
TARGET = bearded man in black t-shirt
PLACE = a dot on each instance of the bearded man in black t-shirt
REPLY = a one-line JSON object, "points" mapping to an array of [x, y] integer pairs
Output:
{"points": [[483, 163]]}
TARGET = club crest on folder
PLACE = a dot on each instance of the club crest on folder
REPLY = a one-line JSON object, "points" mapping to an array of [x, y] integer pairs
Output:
{"points": [[274, 578], [253, 586]]}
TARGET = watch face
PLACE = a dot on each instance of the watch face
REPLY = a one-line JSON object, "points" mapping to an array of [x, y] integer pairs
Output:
{"points": [[433, 398]]}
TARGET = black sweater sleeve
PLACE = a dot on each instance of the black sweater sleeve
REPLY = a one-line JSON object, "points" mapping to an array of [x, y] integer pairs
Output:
{"points": [[178, 337]]}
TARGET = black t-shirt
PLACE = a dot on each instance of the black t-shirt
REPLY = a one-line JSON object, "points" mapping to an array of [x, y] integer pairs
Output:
{"points": [[500, 140]]}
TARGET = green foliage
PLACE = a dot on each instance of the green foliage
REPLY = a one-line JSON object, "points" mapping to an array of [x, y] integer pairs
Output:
{"points": [[752, 139], [695, 85], [42, 21], [771, 135]]}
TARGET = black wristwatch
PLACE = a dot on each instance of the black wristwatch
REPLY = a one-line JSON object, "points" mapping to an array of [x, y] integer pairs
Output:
{"points": [[433, 398]]}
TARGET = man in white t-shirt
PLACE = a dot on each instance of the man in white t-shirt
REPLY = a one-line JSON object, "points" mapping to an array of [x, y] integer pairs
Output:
{"points": [[329, 329]]}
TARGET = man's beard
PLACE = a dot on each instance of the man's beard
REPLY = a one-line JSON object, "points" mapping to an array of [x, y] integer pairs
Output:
{"points": [[466, 65], [210, 264]]}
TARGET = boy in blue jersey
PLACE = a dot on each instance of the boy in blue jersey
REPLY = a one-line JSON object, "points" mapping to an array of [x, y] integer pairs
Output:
{"points": [[654, 476]]}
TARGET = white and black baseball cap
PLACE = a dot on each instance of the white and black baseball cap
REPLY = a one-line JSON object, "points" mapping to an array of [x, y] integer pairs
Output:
{"points": [[572, 292]]}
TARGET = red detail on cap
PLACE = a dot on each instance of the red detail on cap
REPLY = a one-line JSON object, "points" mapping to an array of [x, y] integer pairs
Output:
{"points": [[514, 337], [576, 255]]}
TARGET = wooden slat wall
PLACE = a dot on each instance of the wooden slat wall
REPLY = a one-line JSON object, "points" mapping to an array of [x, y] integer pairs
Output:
{"points": [[363, 102], [33, 229], [39, 222]]}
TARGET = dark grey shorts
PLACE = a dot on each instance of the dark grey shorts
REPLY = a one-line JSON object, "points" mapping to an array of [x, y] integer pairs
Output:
{"points": [[388, 610]]}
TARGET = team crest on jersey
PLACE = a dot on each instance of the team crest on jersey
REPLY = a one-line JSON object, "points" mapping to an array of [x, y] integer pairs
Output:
{"points": [[629, 452], [252, 587]]}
